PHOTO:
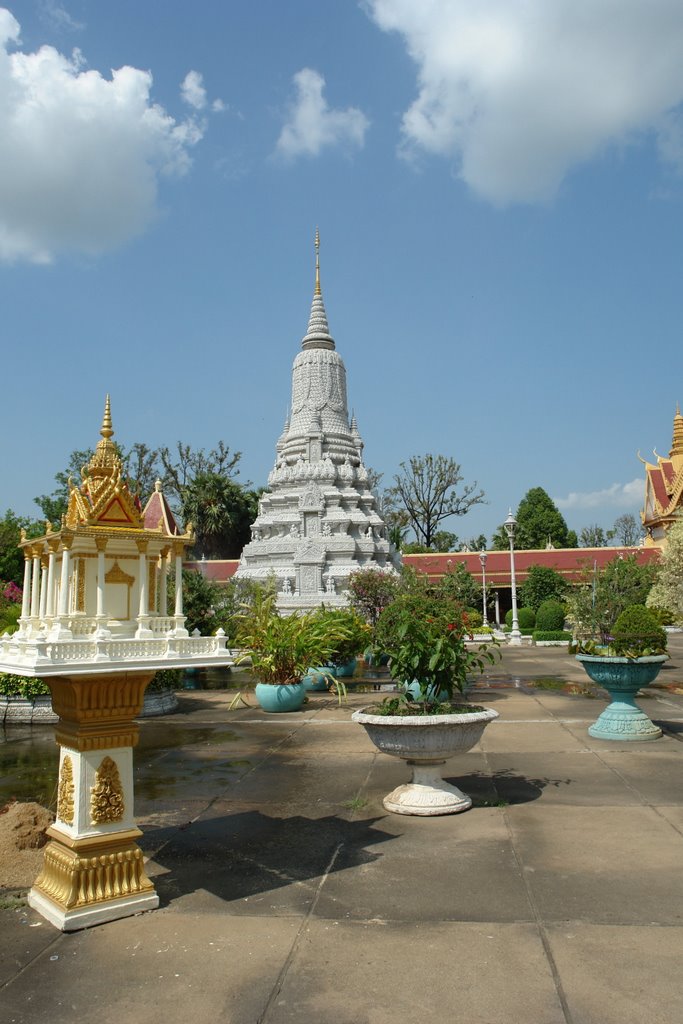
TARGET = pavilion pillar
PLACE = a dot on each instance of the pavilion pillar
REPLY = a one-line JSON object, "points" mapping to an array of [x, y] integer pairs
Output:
{"points": [[179, 617], [101, 614], [61, 630], [93, 869], [43, 590], [143, 629], [26, 593], [163, 583], [51, 578], [35, 587]]}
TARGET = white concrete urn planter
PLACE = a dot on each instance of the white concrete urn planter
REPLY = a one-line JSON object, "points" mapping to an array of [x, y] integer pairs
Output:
{"points": [[426, 742]]}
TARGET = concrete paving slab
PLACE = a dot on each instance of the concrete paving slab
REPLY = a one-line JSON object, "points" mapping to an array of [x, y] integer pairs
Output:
{"points": [[282, 780], [657, 779], [500, 737], [25, 936], [477, 877], [569, 706], [375, 973], [600, 865], [155, 968], [575, 778], [620, 975]]}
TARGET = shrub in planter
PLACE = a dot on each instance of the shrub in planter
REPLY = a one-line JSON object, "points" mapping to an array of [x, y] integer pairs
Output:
{"points": [[637, 633], [526, 618], [550, 615], [166, 679], [551, 634], [22, 686]]}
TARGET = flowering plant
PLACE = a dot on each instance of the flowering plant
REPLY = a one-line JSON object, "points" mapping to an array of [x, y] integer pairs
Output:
{"points": [[424, 636]]}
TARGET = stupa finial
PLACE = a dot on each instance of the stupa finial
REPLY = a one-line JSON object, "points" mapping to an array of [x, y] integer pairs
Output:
{"points": [[317, 262], [106, 429]]}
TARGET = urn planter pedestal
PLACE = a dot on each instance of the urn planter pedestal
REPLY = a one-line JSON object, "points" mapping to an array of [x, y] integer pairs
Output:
{"points": [[622, 719], [425, 742]]}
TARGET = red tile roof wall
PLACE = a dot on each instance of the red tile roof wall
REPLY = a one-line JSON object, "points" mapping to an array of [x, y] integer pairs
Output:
{"points": [[572, 563]]}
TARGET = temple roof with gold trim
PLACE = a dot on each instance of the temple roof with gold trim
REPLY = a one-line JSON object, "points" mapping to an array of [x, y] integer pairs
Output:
{"points": [[664, 485]]}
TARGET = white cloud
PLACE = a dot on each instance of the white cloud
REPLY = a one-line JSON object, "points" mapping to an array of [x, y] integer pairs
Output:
{"points": [[616, 496], [57, 17], [519, 92], [81, 154], [192, 90], [312, 125]]}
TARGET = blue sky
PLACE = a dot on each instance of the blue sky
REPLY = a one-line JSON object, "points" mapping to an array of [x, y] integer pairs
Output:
{"points": [[499, 191]]}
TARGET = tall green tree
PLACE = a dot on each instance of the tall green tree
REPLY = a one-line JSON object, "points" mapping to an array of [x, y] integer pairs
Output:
{"points": [[542, 584], [539, 521], [429, 489], [221, 512]]}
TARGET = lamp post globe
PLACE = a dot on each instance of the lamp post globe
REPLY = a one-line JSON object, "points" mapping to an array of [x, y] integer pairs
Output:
{"points": [[482, 558], [510, 525]]}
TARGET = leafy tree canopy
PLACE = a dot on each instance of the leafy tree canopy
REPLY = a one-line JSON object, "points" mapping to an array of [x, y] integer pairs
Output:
{"points": [[11, 556], [538, 521], [542, 584]]}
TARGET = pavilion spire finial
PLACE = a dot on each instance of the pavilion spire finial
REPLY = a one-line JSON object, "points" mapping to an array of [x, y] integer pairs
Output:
{"points": [[106, 430], [317, 262]]}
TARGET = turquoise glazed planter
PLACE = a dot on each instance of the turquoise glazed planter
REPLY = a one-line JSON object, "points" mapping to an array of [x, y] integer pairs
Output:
{"points": [[275, 699], [346, 670], [622, 719], [413, 691], [317, 680]]}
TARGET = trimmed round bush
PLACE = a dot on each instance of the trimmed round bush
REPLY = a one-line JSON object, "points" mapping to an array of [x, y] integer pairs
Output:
{"points": [[637, 632], [525, 616], [550, 615]]}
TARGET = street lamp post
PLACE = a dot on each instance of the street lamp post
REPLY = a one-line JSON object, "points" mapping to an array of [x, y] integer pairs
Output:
{"points": [[510, 525], [482, 558]]}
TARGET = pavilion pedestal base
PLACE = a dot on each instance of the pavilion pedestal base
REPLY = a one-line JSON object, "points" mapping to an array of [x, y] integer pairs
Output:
{"points": [[89, 881]]}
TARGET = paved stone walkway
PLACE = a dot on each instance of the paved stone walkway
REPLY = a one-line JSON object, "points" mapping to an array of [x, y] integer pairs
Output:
{"points": [[289, 894]]}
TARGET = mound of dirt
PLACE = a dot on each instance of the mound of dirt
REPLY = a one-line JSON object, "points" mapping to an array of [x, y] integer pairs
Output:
{"points": [[22, 836]]}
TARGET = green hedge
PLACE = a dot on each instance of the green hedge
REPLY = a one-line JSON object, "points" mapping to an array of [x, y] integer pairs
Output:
{"points": [[22, 686], [551, 634]]}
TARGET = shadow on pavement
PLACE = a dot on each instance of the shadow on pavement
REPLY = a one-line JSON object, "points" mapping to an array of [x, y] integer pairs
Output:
{"points": [[496, 789], [242, 855]]}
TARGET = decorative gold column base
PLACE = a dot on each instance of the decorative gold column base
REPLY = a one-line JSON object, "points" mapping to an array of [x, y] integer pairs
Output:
{"points": [[91, 880]]}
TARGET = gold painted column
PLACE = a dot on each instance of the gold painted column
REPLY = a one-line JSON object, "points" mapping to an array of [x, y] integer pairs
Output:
{"points": [[93, 869]]}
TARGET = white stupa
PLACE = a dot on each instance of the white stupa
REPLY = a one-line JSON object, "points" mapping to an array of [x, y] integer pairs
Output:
{"points": [[318, 522]]}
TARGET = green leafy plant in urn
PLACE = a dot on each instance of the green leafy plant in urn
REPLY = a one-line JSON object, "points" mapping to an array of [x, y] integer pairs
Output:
{"points": [[281, 648], [424, 636], [628, 660]]}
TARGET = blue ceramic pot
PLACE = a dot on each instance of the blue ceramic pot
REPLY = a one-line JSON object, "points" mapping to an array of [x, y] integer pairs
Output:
{"points": [[346, 670], [317, 680], [622, 719], [286, 697], [413, 691]]}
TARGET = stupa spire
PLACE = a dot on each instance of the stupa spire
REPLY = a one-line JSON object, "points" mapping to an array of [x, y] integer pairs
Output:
{"points": [[677, 441], [318, 333], [106, 430]]}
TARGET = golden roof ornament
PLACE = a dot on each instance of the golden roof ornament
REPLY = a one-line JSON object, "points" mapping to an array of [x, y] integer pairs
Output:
{"points": [[677, 442]]}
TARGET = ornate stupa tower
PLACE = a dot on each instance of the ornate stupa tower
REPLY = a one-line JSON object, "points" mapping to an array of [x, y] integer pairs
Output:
{"points": [[318, 522]]}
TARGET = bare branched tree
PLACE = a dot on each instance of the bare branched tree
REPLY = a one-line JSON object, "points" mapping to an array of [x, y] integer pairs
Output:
{"points": [[426, 489]]}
